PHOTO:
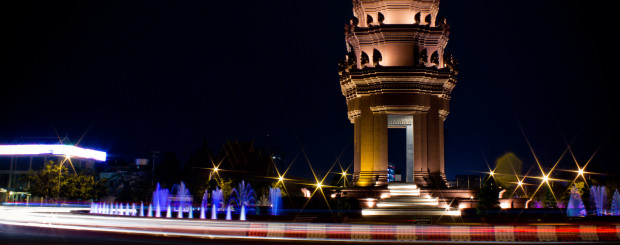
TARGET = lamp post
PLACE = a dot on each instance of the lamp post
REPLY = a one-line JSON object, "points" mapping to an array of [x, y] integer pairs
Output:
{"points": [[154, 155], [67, 157]]}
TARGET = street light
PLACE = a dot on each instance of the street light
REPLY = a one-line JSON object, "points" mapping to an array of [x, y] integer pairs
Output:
{"points": [[67, 158]]}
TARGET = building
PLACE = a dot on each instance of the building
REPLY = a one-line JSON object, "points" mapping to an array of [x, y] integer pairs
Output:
{"points": [[397, 74], [17, 160]]}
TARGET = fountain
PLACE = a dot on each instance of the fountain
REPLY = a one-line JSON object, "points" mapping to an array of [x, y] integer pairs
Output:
{"points": [[598, 197], [275, 197], [169, 211], [575, 204], [242, 213], [161, 199], [245, 200], [615, 204], [202, 212], [150, 214], [203, 204], [217, 196], [181, 200], [228, 213], [141, 209]]}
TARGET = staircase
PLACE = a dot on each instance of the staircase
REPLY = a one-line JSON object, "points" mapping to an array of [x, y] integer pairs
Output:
{"points": [[405, 199]]}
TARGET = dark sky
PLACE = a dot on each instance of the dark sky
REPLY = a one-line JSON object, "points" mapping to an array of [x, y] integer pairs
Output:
{"points": [[132, 76]]}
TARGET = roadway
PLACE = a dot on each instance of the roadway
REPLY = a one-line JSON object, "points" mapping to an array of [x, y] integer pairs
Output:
{"points": [[57, 225]]}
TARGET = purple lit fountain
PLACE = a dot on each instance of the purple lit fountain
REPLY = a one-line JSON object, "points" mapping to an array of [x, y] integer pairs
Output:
{"points": [[575, 204], [217, 196], [598, 198], [161, 200], [182, 200], [615, 204]]}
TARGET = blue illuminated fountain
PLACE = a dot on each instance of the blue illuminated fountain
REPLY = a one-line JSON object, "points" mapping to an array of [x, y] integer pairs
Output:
{"points": [[275, 197], [204, 204], [182, 200], [598, 197], [615, 204], [244, 199], [217, 196], [575, 206], [161, 200]]}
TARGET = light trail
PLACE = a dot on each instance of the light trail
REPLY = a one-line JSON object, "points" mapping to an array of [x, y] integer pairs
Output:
{"points": [[61, 218]]}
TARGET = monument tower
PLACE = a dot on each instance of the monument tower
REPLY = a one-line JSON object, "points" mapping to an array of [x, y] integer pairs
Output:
{"points": [[397, 74]]}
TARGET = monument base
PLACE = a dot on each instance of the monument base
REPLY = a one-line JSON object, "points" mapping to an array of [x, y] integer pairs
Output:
{"points": [[409, 202]]}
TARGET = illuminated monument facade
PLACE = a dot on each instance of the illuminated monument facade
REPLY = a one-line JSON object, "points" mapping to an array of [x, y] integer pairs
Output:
{"points": [[397, 74]]}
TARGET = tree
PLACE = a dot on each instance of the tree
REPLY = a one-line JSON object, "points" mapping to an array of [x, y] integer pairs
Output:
{"points": [[507, 167], [54, 180], [488, 199], [549, 200], [168, 171], [47, 182], [197, 170]]}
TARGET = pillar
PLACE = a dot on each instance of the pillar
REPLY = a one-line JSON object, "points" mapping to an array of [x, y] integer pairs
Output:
{"points": [[409, 151]]}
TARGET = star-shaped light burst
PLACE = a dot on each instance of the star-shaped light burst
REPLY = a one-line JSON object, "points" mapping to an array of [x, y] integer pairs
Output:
{"points": [[318, 182], [545, 176], [281, 176], [581, 171], [216, 168], [491, 172], [520, 185], [343, 174], [68, 159]]}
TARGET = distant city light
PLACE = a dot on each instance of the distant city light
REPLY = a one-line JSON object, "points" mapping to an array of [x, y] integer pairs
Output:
{"points": [[68, 151]]}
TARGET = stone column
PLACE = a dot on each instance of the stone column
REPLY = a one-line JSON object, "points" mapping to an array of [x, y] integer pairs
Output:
{"points": [[420, 148], [380, 147], [367, 144], [410, 154]]}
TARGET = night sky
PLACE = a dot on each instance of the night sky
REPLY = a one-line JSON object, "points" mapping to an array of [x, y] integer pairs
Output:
{"points": [[128, 77]]}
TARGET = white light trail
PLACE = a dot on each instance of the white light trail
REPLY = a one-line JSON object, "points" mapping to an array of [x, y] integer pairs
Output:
{"points": [[60, 150]]}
